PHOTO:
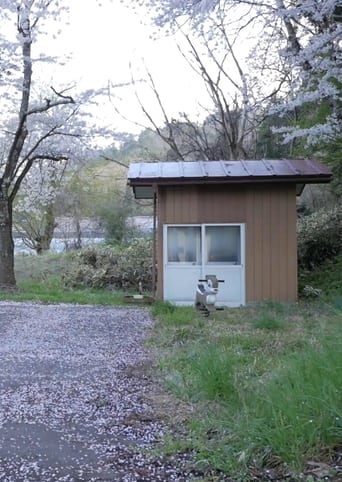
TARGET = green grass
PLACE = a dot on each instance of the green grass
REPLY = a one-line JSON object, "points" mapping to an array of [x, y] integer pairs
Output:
{"points": [[266, 322], [39, 279], [52, 291], [264, 384], [40, 268], [298, 412], [169, 314]]}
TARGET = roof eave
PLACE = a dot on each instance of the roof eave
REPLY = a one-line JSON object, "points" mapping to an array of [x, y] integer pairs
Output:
{"points": [[314, 179]]}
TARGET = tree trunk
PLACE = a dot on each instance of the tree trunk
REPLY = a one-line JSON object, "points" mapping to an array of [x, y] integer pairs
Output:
{"points": [[44, 241], [7, 277], [78, 241]]}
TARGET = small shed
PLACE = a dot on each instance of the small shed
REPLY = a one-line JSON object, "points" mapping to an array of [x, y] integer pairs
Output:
{"points": [[232, 219]]}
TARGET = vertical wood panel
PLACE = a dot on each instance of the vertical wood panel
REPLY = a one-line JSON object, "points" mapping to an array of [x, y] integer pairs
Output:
{"points": [[256, 215], [292, 280], [266, 243], [270, 273], [283, 247], [161, 216], [269, 212], [250, 246], [275, 253]]}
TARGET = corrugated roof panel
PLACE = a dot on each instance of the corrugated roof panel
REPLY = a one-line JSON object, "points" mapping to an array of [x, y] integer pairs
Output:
{"points": [[243, 168], [169, 170], [144, 170], [227, 171], [214, 169], [278, 168], [307, 165], [134, 170], [269, 166], [194, 169]]}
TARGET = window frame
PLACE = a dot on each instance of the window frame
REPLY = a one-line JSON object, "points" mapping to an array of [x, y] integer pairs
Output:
{"points": [[202, 248]]}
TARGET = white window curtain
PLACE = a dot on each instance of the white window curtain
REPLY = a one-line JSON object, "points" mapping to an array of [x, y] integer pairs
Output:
{"points": [[222, 245], [184, 244]]}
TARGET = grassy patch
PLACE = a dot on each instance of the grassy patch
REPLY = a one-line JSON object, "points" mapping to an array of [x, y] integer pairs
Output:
{"points": [[266, 322], [172, 315], [40, 268], [39, 278], [264, 383], [298, 411], [52, 291]]}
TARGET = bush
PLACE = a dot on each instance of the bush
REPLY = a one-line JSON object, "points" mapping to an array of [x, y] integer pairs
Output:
{"points": [[121, 267], [325, 280], [319, 237]]}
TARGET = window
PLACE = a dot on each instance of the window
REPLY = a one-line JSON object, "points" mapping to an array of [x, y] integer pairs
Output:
{"points": [[207, 244], [184, 244], [222, 245]]}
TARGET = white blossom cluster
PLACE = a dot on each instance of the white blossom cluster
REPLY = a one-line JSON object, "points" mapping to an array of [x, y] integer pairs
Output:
{"points": [[296, 58]]}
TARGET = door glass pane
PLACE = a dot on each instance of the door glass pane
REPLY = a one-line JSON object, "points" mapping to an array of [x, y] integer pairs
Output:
{"points": [[222, 245], [184, 244]]}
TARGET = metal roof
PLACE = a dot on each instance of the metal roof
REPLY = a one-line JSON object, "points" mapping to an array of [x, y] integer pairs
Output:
{"points": [[143, 176]]}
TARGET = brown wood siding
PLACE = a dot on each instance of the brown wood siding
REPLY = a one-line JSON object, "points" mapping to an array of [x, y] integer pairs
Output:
{"points": [[269, 214], [271, 241]]}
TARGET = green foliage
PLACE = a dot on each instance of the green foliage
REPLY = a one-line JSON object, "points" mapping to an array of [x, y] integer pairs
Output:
{"points": [[112, 216], [269, 145], [120, 267], [331, 154], [326, 280], [267, 322], [148, 146], [39, 279], [319, 237]]}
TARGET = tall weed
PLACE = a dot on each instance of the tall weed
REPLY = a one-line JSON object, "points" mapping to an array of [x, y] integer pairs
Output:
{"points": [[299, 409], [209, 374]]}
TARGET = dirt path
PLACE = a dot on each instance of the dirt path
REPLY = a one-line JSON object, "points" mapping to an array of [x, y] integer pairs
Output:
{"points": [[74, 403]]}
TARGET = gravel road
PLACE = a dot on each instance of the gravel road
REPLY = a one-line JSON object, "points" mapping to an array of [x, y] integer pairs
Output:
{"points": [[75, 399]]}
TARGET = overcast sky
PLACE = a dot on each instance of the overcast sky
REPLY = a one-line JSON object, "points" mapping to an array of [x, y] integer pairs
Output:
{"points": [[104, 41]]}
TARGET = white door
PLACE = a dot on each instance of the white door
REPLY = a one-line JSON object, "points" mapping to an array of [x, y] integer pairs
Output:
{"points": [[193, 251]]}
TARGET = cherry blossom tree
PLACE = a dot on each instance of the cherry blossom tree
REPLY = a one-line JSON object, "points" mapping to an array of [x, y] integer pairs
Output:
{"points": [[297, 50], [33, 129], [216, 51], [34, 213]]}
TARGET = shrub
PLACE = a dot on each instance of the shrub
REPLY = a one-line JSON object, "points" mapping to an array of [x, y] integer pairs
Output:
{"points": [[121, 267], [319, 237]]}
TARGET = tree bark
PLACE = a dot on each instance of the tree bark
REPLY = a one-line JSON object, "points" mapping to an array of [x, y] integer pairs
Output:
{"points": [[7, 277], [43, 240]]}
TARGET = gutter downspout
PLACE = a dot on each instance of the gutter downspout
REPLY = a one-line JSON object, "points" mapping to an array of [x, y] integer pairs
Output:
{"points": [[154, 245]]}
